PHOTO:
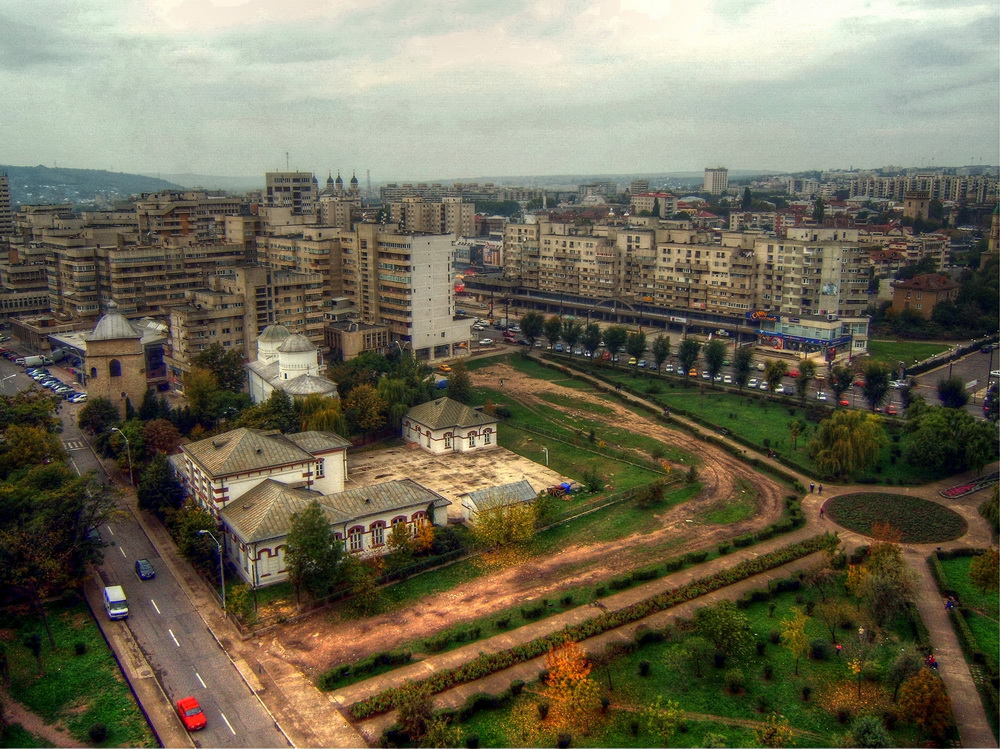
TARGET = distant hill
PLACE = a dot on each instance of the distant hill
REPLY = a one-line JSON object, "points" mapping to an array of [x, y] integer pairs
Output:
{"points": [[216, 182], [42, 184]]}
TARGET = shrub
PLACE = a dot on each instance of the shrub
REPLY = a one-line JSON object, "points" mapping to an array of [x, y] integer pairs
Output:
{"points": [[472, 741], [619, 583], [644, 668], [775, 636], [673, 564], [543, 710], [719, 659], [725, 549], [633, 727], [516, 687], [806, 692], [761, 645], [533, 612], [80, 648], [742, 541], [768, 671], [503, 622], [646, 635], [600, 591], [647, 574], [605, 704], [564, 740], [734, 680], [566, 600], [819, 650], [98, 732]]}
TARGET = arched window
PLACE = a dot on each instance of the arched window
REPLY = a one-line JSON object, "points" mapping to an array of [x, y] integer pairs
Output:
{"points": [[487, 437], [419, 519], [115, 368], [356, 538], [93, 373], [378, 533], [447, 440], [472, 439]]}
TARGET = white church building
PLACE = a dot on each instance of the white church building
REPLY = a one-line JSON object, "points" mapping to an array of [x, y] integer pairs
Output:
{"points": [[287, 361]]}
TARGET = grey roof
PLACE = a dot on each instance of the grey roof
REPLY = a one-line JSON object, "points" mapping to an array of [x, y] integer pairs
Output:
{"points": [[276, 332], [268, 371], [445, 412], [266, 510], [379, 498], [318, 442], [113, 326], [307, 385], [519, 491], [244, 450], [296, 343]]}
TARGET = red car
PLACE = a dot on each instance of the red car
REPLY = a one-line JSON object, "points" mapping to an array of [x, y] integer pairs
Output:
{"points": [[891, 410], [845, 402], [794, 373], [191, 715]]}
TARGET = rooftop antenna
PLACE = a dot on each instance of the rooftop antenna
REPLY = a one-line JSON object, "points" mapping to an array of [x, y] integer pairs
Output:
{"points": [[369, 173], [286, 161]]}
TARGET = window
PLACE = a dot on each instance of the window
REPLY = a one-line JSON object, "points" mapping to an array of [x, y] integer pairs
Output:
{"points": [[447, 441], [378, 534], [319, 469], [487, 436], [93, 373], [355, 539], [472, 439]]}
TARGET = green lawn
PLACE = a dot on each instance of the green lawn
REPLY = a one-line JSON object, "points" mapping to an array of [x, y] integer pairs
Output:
{"points": [[981, 610], [672, 679], [14, 735], [740, 506], [908, 352], [76, 690], [919, 521]]}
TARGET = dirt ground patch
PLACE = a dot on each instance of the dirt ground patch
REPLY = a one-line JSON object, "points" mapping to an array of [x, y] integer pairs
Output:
{"points": [[322, 641]]}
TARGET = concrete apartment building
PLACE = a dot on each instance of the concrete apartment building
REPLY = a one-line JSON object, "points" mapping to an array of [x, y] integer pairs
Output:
{"points": [[297, 191], [404, 282], [661, 204], [922, 293], [449, 216], [186, 214], [6, 207], [716, 180], [960, 188]]}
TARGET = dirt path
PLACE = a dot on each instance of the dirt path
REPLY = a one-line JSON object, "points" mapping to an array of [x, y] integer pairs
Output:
{"points": [[15, 712], [320, 642]]}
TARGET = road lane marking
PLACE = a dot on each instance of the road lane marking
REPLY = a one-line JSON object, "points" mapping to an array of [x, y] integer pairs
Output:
{"points": [[154, 605], [173, 638], [227, 722], [201, 681], [111, 530], [123, 552]]}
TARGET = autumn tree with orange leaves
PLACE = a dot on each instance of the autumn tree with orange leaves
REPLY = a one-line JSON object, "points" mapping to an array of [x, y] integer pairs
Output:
{"points": [[575, 698], [923, 700]]}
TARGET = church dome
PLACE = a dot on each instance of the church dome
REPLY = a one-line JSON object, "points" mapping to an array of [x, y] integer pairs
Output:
{"points": [[113, 326], [296, 343], [329, 181], [339, 181], [354, 179], [274, 333]]}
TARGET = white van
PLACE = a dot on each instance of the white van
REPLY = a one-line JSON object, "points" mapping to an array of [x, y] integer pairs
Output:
{"points": [[115, 602]]}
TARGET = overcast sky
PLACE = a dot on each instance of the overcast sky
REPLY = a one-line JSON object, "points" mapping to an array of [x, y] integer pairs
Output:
{"points": [[460, 88]]}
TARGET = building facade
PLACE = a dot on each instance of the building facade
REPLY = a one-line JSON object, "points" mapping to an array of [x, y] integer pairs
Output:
{"points": [[716, 180]]}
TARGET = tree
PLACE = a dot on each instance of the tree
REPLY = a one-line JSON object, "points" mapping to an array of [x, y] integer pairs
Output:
{"points": [[876, 388], [742, 365], [688, 353], [924, 702], [661, 718], [321, 413], [888, 583], [312, 551], [196, 547], [776, 731], [951, 392], [990, 509], [614, 339], [365, 409], [25, 446], [635, 344], [847, 443], [571, 332], [983, 570], [159, 491], [459, 383], [574, 697], [504, 523], [773, 372], [532, 323], [793, 635], [841, 378], [98, 416], [698, 652], [726, 627], [414, 703], [715, 354], [807, 371], [948, 439], [591, 338], [225, 364], [441, 733], [660, 350], [795, 427], [553, 329], [161, 436], [819, 211], [832, 614], [33, 642], [869, 732], [200, 387], [747, 199]]}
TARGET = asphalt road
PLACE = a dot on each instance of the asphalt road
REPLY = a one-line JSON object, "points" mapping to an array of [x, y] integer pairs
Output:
{"points": [[184, 655]]}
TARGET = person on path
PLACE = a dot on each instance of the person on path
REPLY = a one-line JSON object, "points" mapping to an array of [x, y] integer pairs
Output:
{"points": [[839, 648], [821, 509], [820, 488], [812, 487]]}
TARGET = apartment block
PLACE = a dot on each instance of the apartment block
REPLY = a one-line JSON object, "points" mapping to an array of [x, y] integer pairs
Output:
{"points": [[959, 188], [660, 204], [298, 191], [192, 214], [304, 249], [404, 283], [716, 180], [449, 216], [6, 207]]}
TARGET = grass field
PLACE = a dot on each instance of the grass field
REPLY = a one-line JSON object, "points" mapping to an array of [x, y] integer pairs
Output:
{"points": [[908, 352], [14, 735], [712, 705], [740, 506], [982, 610], [920, 521], [76, 690]]}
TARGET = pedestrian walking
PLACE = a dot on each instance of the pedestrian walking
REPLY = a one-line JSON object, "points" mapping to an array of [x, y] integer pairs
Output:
{"points": [[812, 488], [820, 488], [821, 510], [839, 648]]}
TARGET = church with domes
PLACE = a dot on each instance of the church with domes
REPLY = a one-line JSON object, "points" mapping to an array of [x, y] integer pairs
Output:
{"points": [[289, 362]]}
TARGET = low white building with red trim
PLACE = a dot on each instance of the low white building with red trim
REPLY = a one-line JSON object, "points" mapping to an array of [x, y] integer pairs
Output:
{"points": [[446, 426]]}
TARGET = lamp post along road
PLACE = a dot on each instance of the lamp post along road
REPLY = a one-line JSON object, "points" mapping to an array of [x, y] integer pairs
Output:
{"points": [[222, 573], [128, 450]]}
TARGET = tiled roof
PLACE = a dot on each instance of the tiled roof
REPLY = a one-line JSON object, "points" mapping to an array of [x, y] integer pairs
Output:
{"points": [[519, 491], [927, 282], [244, 450], [266, 510], [113, 326], [318, 442], [445, 412], [296, 343], [379, 498], [266, 371], [308, 385]]}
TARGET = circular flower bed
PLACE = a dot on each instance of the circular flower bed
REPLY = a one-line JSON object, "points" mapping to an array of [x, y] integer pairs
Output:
{"points": [[921, 522]]}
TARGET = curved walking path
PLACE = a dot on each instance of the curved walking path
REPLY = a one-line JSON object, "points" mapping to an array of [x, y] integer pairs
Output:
{"points": [[16, 713]]}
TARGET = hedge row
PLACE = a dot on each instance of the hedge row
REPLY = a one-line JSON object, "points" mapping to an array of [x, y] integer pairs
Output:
{"points": [[489, 663], [376, 662]]}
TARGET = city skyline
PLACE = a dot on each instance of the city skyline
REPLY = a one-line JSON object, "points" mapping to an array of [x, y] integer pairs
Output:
{"points": [[466, 89]]}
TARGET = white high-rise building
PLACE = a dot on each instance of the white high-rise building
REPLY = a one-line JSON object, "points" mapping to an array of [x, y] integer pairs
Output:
{"points": [[716, 180]]}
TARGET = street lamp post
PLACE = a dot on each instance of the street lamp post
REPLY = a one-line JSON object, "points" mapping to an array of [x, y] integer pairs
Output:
{"points": [[546, 451], [128, 450], [222, 573]]}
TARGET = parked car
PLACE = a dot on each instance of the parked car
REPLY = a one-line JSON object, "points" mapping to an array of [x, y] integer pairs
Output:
{"points": [[727, 379], [78, 398], [753, 383], [891, 410], [486, 342], [763, 386], [632, 361], [793, 373], [705, 375], [820, 396], [191, 714], [558, 348], [717, 378], [669, 368], [844, 402], [692, 372], [642, 362], [144, 569], [578, 351]]}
